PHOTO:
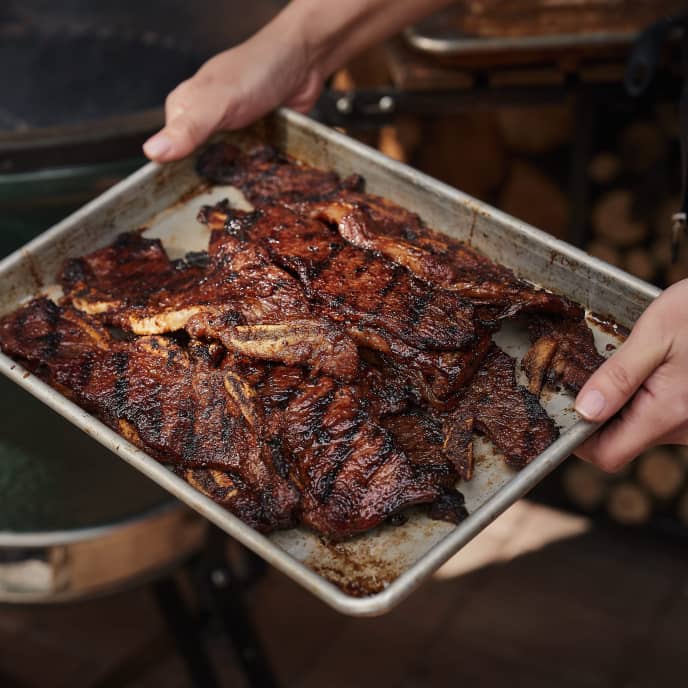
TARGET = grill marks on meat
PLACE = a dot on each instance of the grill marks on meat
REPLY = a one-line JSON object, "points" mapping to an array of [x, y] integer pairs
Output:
{"points": [[179, 411], [327, 362], [428, 333], [265, 175], [241, 299], [423, 437], [264, 441], [62, 345], [494, 290], [351, 472], [125, 275], [376, 224], [355, 287]]}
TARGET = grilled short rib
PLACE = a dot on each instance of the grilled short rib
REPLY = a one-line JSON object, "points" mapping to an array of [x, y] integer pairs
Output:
{"points": [[326, 362]]}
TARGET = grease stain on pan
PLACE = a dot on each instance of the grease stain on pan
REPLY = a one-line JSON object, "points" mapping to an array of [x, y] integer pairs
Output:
{"points": [[366, 564], [354, 575], [33, 270], [608, 326], [177, 226]]}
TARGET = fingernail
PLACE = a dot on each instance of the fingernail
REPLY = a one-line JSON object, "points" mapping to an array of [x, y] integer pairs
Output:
{"points": [[157, 146], [591, 404]]}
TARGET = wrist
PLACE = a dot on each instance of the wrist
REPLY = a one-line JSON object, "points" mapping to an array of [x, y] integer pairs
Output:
{"points": [[306, 33]]}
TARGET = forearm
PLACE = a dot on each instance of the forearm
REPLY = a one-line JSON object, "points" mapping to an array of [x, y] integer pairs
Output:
{"points": [[334, 32]]}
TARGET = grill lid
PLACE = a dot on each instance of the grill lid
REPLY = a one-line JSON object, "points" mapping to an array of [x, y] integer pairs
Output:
{"points": [[85, 82], [84, 74]]}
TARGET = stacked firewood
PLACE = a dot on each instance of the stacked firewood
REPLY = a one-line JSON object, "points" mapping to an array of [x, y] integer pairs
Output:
{"points": [[652, 488], [635, 183]]}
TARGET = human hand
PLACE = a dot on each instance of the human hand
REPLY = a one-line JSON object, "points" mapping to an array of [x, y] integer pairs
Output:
{"points": [[283, 64], [647, 381], [236, 87]]}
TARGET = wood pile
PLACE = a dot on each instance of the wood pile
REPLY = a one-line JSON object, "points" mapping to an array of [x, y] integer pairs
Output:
{"points": [[653, 487], [634, 188]]}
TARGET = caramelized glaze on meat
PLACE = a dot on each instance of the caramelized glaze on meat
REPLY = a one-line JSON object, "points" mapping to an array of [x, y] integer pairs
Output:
{"points": [[241, 299], [350, 471], [507, 413], [563, 353], [163, 397], [429, 333], [357, 288], [376, 224], [327, 361]]}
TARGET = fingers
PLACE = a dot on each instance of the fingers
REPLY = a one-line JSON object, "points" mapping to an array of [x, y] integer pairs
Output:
{"points": [[615, 382], [192, 112], [647, 421]]}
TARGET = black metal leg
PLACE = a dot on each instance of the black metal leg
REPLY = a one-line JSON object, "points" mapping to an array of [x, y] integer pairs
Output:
{"points": [[183, 627], [225, 594]]}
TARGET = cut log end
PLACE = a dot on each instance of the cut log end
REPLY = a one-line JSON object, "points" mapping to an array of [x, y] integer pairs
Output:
{"points": [[629, 505], [661, 473], [585, 485]]}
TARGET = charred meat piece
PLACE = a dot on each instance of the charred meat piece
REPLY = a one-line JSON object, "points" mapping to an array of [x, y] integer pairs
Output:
{"points": [[563, 353], [354, 463], [265, 175], [62, 345], [377, 225], [458, 440], [353, 286], [429, 332], [505, 412], [230, 491], [421, 435], [370, 222], [125, 275], [241, 299], [313, 343], [182, 411], [351, 473]]}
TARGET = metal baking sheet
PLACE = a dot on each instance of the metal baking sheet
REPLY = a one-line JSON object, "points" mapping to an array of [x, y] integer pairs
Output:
{"points": [[447, 45], [373, 572], [439, 36]]}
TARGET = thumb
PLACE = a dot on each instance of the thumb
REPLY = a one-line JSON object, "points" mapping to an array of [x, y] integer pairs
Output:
{"points": [[192, 114], [619, 378]]}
